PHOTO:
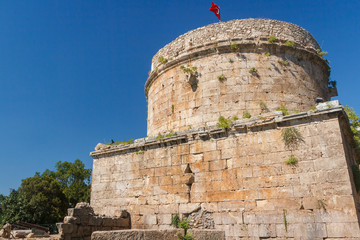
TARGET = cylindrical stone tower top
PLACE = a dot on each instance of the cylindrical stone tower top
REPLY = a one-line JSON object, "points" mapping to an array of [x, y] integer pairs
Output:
{"points": [[231, 68]]}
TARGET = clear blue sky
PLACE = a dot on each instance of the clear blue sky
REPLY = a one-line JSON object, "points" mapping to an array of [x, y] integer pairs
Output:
{"points": [[72, 72]]}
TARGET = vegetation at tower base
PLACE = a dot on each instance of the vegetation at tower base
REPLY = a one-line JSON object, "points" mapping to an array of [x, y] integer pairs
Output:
{"points": [[354, 125], [183, 224], [44, 198]]}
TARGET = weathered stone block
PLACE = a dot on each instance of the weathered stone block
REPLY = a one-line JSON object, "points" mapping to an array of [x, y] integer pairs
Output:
{"points": [[202, 234], [138, 234], [350, 229], [119, 235], [162, 234], [95, 221], [65, 228], [70, 219]]}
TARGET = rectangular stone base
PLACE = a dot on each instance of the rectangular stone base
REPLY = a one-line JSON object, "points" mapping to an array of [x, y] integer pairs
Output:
{"points": [[148, 234]]}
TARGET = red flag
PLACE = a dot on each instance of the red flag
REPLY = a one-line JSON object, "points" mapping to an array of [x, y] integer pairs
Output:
{"points": [[215, 8]]}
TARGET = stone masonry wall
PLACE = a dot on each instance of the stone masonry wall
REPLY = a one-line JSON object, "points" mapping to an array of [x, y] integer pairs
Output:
{"points": [[173, 104], [244, 31], [283, 75], [237, 180], [81, 222]]}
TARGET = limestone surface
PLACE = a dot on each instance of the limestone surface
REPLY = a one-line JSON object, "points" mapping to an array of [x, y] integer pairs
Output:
{"points": [[240, 179], [227, 69]]}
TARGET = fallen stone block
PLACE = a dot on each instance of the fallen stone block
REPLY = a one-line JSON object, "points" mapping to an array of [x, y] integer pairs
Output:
{"points": [[20, 233]]}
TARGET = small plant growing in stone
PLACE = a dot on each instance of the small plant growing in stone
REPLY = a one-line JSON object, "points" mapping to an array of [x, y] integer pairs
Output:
{"points": [[223, 123], [159, 136], [313, 108], [230, 60], [253, 70], [234, 46], [263, 106], [235, 118], [291, 161], [354, 120], [284, 109], [290, 43], [332, 83], [183, 224], [284, 63], [322, 204], [140, 152], [272, 39], [191, 74], [285, 221], [321, 53], [131, 141], [268, 54], [188, 70], [170, 134], [175, 220], [246, 114], [162, 60], [172, 108], [215, 44], [221, 77], [291, 137]]}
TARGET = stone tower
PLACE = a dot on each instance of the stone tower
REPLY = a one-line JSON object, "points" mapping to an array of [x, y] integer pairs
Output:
{"points": [[234, 173], [290, 74]]}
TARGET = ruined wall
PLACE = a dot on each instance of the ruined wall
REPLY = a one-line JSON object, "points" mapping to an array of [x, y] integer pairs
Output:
{"points": [[285, 75], [81, 222], [236, 180]]}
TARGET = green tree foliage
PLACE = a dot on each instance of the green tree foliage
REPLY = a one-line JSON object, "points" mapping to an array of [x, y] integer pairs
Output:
{"points": [[44, 198], [75, 180], [354, 125], [14, 207]]}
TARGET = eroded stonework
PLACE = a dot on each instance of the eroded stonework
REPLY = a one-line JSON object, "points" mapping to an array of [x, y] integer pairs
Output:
{"points": [[281, 75]]}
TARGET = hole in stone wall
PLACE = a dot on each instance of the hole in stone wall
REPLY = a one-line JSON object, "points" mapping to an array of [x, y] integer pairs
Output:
{"points": [[188, 169]]}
